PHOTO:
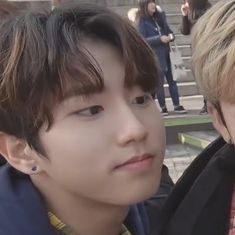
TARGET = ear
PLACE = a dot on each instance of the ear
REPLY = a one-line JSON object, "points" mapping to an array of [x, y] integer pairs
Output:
{"points": [[217, 122], [16, 152]]}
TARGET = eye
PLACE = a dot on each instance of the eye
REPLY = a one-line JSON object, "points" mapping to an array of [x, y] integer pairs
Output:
{"points": [[143, 100], [90, 111]]}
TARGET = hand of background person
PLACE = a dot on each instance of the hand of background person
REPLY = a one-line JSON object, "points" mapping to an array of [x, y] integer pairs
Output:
{"points": [[185, 9], [165, 39], [171, 36]]}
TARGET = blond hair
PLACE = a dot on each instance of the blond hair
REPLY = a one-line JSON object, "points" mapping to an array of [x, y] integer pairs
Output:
{"points": [[213, 58]]}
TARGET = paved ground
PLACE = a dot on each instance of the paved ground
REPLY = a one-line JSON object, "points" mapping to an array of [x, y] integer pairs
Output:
{"points": [[177, 166], [189, 102], [177, 159]]}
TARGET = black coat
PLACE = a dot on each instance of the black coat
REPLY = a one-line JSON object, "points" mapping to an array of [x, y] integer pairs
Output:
{"points": [[201, 200]]}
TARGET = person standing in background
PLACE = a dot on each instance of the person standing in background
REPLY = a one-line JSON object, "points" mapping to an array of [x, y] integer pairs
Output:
{"points": [[153, 26], [191, 11]]}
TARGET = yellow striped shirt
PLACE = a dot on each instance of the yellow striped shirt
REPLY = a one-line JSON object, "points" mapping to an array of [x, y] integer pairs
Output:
{"points": [[60, 226]]}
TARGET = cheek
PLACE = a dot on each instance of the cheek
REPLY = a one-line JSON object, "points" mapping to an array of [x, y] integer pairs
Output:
{"points": [[72, 157], [154, 123], [151, 7], [73, 147], [155, 120]]}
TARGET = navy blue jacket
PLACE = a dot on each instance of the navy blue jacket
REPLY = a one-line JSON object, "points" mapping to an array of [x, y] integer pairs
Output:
{"points": [[147, 28], [22, 211]]}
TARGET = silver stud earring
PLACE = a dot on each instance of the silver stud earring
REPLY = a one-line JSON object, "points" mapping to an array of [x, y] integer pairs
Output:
{"points": [[34, 168]]}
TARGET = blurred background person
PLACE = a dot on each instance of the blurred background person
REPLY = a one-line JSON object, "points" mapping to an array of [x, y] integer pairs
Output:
{"points": [[153, 26], [191, 11]]}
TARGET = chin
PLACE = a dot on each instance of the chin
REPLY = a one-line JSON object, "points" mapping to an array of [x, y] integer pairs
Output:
{"points": [[139, 194]]}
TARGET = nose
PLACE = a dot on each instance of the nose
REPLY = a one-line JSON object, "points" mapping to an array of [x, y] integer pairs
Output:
{"points": [[131, 128]]}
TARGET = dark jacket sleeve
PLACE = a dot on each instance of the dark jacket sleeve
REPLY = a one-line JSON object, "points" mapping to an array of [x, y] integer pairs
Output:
{"points": [[154, 40], [155, 203], [168, 30], [186, 26]]}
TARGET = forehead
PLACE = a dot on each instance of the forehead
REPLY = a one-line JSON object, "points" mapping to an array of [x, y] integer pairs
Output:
{"points": [[103, 53], [108, 59], [108, 63]]}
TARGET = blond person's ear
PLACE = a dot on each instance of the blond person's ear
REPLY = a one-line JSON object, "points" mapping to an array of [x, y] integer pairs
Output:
{"points": [[217, 122], [16, 152]]}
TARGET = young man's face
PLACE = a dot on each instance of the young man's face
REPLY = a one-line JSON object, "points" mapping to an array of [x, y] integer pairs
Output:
{"points": [[108, 147]]}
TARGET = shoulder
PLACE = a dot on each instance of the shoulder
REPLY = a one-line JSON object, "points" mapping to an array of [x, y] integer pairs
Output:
{"points": [[143, 22]]}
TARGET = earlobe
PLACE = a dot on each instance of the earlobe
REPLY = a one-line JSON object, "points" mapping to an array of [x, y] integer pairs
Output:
{"points": [[13, 150], [217, 122]]}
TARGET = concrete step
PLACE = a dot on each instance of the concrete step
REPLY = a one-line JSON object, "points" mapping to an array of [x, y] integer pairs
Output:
{"points": [[189, 77], [185, 50], [182, 39], [190, 122], [187, 62], [190, 118], [175, 28], [121, 2], [174, 18], [161, 2], [198, 139], [192, 103], [121, 10], [185, 89]]}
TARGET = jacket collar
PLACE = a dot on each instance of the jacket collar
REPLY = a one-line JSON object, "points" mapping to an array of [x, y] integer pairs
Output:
{"points": [[22, 210]]}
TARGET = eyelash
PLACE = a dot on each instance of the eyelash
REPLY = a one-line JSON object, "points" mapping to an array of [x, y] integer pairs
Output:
{"points": [[147, 99], [94, 110]]}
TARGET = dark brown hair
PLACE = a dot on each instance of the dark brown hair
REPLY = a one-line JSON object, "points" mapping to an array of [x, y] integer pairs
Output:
{"points": [[197, 9], [143, 8], [7, 9], [42, 57]]}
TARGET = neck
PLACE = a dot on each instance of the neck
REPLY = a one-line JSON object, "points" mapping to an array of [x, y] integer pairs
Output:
{"points": [[82, 215]]}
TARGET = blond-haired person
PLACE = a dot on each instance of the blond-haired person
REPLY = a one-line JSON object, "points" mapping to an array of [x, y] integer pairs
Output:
{"points": [[203, 201]]}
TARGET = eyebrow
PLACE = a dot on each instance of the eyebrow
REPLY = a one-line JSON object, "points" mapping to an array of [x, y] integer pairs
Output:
{"points": [[82, 90]]}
